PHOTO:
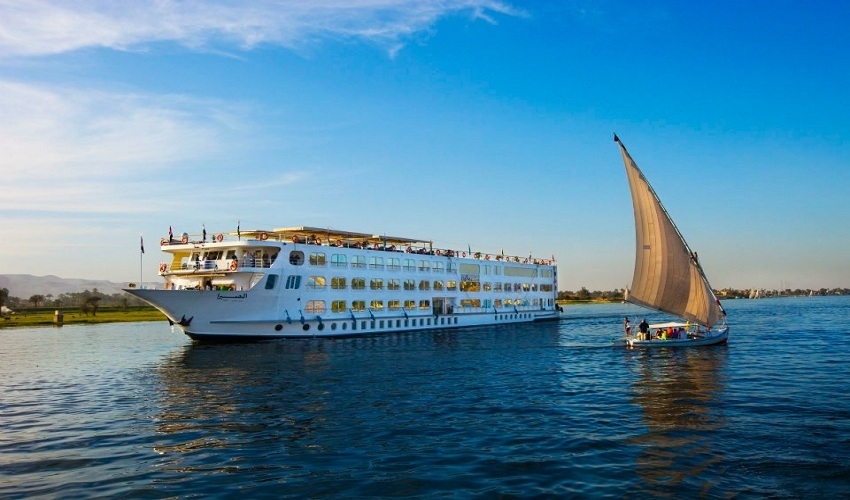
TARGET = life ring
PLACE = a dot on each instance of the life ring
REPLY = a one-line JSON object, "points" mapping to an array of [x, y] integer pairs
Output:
{"points": [[162, 268], [409, 250], [233, 265], [163, 241], [184, 239], [263, 236], [463, 254], [219, 237]]}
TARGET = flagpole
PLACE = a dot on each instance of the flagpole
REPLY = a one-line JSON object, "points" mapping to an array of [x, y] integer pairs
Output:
{"points": [[141, 256]]}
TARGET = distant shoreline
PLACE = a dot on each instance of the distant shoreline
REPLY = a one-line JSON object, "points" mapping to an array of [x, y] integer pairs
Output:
{"points": [[43, 317]]}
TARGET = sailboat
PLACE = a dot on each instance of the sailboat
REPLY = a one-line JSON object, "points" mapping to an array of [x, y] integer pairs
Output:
{"points": [[668, 276]]}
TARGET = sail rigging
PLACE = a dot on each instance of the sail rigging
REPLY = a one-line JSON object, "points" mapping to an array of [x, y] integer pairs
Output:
{"points": [[667, 276]]}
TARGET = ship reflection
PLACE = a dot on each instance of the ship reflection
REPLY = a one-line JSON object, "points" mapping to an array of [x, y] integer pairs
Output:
{"points": [[219, 399], [679, 392]]}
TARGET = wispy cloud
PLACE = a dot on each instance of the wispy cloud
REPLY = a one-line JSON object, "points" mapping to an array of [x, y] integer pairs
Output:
{"points": [[64, 148], [43, 27]]}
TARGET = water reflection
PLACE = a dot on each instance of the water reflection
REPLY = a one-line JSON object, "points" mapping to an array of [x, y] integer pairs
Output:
{"points": [[679, 392], [227, 397]]}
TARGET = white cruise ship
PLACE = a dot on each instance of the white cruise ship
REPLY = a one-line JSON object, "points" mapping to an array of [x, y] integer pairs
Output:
{"points": [[317, 282]]}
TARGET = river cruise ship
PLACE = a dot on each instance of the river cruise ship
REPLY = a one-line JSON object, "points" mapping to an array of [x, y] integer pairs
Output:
{"points": [[317, 282]]}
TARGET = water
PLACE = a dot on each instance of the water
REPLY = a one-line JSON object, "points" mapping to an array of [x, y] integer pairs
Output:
{"points": [[135, 410]]}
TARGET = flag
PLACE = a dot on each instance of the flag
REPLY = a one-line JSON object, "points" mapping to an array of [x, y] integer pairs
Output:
{"points": [[170, 234], [142, 243], [205, 233], [238, 231]]}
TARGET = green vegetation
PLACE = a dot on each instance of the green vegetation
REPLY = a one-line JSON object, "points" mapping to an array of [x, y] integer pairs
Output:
{"points": [[72, 316], [76, 308]]}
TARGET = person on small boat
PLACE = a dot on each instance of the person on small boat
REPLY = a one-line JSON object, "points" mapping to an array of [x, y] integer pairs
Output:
{"points": [[644, 329], [627, 326]]}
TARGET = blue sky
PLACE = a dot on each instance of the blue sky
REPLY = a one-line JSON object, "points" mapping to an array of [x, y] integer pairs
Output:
{"points": [[477, 122]]}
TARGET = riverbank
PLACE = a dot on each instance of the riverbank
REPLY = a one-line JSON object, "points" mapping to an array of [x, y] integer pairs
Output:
{"points": [[75, 317]]}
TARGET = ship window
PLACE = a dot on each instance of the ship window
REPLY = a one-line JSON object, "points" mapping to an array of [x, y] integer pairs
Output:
{"points": [[526, 287], [358, 261], [438, 267], [508, 302], [376, 284], [317, 259], [316, 282], [393, 264], [497, 286], [376, 305], [497, 270], [424, 304], [358, 283], [376, 262], [338, 260], [358, 305], [270, 281], [338, 283], [393, 284], [438, 285], [451, 285], [338, 306], [424, 285], [394, 304], [296, 257], [410, 284], [424, 265], [488, 287], [293, 282], [451, 267], [409, 265], [497, 303], [470, 285], [315, 307], [517, 287], [409, 304]]}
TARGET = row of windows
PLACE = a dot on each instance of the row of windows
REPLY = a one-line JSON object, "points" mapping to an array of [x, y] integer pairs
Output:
{"points": [[342, 306], [390, 263], [340, 283]]}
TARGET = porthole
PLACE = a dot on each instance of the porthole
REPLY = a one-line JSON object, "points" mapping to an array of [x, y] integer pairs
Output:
{"points": [[333, 326], [306, 327], [278, 327], [321, 326]]}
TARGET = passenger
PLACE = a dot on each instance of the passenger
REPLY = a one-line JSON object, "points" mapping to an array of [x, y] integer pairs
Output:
{"points": [[669, 332], [644, 330], [627, 326], [266, 260]]}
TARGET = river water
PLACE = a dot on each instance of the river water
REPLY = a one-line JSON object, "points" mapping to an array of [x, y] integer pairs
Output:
{"points": [[136, 410]]}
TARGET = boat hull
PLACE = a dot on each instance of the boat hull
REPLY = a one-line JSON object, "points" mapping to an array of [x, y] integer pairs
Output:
{"points": [[717, 337], [217, 316]]}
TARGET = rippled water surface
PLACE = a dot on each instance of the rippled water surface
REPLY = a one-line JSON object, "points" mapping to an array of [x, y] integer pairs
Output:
{"points": [[548, 409]]}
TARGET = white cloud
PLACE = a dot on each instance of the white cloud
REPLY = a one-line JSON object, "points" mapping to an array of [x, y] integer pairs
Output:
{"points": [[41, 27], [80, 150]]}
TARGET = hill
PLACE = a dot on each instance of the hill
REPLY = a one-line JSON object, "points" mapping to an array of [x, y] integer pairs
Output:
{"points": [[26, 285]]}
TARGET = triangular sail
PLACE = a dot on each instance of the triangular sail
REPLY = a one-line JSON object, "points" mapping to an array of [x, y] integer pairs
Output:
{"points": [[667, 276]]}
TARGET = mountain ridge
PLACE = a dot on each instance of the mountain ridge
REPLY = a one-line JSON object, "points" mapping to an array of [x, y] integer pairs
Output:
{"points": [[24, 286]]}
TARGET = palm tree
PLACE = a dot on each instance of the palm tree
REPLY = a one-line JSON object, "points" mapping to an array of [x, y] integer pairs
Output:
{"points": [[36, 300]]}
